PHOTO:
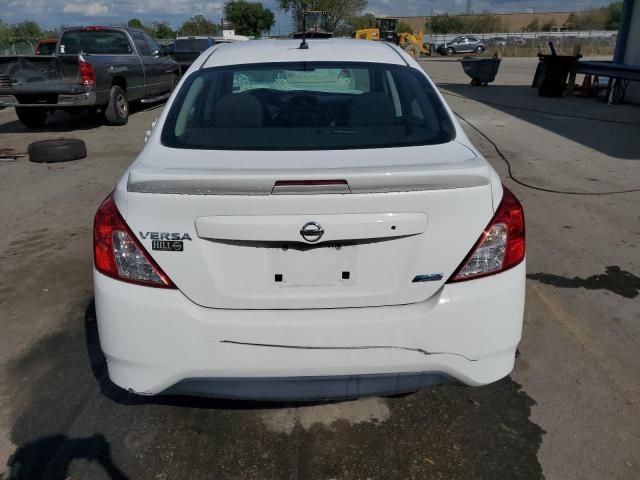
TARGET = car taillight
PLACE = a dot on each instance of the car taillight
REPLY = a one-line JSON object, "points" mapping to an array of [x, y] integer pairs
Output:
{"points": [[501, 245], [117, 253], [87, 75]]}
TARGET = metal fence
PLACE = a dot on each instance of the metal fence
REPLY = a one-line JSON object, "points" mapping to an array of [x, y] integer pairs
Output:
{"points": [[529, 37], [21, 47]]}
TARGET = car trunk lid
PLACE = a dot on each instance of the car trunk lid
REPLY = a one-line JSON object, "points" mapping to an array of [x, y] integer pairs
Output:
{"points": [[391, 236]]}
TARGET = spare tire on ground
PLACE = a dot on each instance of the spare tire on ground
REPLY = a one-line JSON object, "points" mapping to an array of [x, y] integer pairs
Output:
{"points": [[57, 150]]}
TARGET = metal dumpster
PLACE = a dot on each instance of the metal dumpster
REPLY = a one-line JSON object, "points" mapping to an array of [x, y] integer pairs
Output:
{"points": [[481, 70]]}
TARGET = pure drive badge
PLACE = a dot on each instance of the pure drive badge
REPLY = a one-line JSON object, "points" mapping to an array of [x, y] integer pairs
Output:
{"points": [[167, 246]]}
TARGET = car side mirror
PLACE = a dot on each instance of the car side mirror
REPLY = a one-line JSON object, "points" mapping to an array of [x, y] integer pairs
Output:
{"points": [[157, 53]]}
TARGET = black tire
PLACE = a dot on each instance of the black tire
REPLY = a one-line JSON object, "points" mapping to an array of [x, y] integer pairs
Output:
{"points": [[479, 49], [450, 52], [57, 150], [117, 111], [32, 117], [412, 50]]}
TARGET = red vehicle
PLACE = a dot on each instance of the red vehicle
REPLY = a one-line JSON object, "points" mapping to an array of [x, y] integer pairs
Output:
{"points": [[46, 47]]}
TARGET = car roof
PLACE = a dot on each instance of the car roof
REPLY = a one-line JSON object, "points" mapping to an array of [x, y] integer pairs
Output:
{"points": [[320, 50]]}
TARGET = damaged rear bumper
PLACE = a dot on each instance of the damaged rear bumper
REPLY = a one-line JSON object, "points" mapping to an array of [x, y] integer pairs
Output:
{"points": [[63, 100], [158, 341]]}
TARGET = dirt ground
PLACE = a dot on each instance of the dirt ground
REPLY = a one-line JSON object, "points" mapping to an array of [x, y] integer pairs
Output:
{"points": [[570, 409]]}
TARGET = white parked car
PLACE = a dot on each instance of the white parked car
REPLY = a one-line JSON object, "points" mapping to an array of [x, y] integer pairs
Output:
{"points": [[308, 224]]}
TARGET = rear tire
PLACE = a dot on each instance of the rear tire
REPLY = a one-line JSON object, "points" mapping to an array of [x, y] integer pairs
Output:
{"points": [[117, 111], [32, 117], [450, 52], [58, 150], [412, 50], [479, 49]]}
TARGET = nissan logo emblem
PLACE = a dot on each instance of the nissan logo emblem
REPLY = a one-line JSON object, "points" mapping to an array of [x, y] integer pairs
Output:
{"points": [[312, 232]]}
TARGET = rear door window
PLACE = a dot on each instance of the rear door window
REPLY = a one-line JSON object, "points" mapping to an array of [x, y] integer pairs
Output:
{"points": [[306, 106], [141, 45], [95, 42]]}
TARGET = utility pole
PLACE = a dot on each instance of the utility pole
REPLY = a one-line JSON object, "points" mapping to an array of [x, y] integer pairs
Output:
{"points": [[468, 7]]}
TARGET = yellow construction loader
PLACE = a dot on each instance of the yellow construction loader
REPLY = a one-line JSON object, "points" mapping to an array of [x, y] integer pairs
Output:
{"points": [[387, 30]]}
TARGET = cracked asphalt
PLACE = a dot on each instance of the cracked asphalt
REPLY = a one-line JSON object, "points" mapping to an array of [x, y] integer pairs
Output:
{"points": [[570, 409]]}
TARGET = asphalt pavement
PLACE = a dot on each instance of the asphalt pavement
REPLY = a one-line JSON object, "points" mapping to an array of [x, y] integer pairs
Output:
{"points": [[570, 409]]}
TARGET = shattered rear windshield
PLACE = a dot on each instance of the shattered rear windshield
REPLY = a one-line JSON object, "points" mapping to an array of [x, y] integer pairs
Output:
{"points": [[306, 106]]}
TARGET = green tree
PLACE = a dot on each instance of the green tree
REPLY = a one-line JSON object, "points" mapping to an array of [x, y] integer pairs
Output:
{"points": [[614, 12], [571, 22], [5, 31], [249, 18], [163, 31], [356, 22], [404, 27], [447, 24], [136, 23], [337, 10], [485, 23], [594, 19], [533, 26], [198, 25], [27, 30]]}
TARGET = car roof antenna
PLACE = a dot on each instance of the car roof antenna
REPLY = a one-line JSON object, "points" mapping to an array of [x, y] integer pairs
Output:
{"points": [[304, 45]]}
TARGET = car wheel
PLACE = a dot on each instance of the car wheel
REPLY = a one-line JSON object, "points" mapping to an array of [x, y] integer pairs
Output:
{"points": [[57, 150], [412, 50], [479, 49], [450, 52], [32, 117], [117, 111]]}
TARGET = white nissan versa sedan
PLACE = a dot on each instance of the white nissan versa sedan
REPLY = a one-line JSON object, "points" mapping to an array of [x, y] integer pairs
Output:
{"points": [[308, 224]]}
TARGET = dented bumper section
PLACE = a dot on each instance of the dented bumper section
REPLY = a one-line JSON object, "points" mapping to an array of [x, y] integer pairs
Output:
{"points": [[159, 341], [84, 99]]}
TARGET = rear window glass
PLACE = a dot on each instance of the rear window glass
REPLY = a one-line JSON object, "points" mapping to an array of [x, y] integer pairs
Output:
{"points": [[192, 45], [46, 49], [95, 42], [306, 106]]}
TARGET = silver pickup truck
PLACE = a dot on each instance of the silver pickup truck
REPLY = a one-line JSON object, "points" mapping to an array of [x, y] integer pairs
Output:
{"points": [[99, 68]]}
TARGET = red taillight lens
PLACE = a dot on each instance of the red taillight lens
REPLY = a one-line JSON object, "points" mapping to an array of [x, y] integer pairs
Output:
{"points": [[87, 75], [501, 245], [117, 252]]}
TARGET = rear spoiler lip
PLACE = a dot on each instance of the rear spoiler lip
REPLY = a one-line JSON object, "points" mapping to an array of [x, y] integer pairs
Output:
{"points": [[470, 173]]}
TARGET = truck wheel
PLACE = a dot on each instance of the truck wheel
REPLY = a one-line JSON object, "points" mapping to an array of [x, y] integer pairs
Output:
{"points": [[32, 117], [412, 50], [57, 150], [117, 111]]}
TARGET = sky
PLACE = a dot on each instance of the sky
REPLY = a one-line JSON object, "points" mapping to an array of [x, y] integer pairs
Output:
{"points": [[53, 13]]}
